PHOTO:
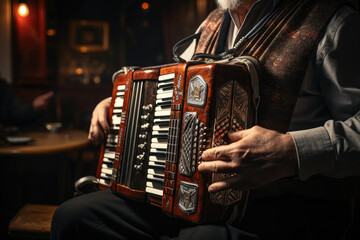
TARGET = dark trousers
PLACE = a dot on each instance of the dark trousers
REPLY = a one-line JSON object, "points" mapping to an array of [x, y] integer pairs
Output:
{"points": [[105, 215], [296, 217]]}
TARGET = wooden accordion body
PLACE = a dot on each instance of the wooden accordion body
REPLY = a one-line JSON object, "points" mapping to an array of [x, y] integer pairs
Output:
{"points": [[162, 119]]}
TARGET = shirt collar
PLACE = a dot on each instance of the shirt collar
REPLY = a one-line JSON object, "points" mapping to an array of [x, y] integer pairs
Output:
{"points": [[259, 9]]}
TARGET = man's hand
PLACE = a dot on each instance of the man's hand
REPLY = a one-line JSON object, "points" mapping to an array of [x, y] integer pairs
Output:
{"points": [[99, 126], [256, 157], [41, 102]]}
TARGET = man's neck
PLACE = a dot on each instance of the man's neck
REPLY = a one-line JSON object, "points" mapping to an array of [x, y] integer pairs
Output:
{"points": [[243, 10]]}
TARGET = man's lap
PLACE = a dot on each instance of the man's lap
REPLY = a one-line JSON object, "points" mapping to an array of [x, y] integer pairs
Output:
{"points": [[105, 215]]}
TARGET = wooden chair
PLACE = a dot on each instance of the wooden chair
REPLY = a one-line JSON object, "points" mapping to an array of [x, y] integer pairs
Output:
{"points": [[33, 221]]}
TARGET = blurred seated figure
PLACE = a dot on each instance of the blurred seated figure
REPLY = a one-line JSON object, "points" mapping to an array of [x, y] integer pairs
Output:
{"points": [[14, 111]]}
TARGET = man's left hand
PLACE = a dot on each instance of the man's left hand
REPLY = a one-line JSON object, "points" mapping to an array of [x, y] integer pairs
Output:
{"points": [[256, 157]]}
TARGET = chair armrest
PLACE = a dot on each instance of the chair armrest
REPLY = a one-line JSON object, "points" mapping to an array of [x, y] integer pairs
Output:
{"points": [[85, 185]]}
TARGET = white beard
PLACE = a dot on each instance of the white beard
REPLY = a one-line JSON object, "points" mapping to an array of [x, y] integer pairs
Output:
{"points": [[229, 4]]}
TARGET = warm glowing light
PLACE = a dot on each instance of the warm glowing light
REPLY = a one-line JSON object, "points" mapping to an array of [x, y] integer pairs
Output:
{"points": [[83, 49], [23, 9], [79, 71], [145, 6], [97, 79], [51, 32]]}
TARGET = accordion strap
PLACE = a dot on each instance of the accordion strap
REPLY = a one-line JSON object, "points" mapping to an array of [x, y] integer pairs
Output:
{"points": [[182, 42]]}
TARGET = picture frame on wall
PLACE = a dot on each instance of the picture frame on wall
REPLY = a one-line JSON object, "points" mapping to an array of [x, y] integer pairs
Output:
{"points": [[89, 35]]}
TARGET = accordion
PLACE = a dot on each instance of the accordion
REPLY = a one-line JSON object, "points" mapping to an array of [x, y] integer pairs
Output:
{"points": [[161, 120]]}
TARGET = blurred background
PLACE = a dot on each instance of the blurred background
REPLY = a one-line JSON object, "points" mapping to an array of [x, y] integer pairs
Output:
{"points": [[74, 47]]}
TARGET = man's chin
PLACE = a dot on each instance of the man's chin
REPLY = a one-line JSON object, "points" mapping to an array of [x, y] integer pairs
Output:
{"points": [[229, 4]]}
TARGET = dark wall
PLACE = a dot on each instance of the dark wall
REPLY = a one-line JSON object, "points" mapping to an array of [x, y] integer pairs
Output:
{"points": [[137, 37]]}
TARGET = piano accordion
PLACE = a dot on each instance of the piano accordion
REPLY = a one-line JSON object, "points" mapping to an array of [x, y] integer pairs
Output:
{"points": [[161, 120]]}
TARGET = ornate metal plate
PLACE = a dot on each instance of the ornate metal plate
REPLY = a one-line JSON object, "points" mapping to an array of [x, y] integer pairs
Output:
{"points": [[188, 197], [197, 92]]}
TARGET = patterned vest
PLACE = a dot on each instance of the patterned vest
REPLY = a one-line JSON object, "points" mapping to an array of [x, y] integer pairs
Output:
{"points": [[283, 47]]}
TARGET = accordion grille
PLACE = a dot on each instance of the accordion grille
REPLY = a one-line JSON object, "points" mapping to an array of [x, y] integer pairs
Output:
{"points": [[131, 133]]}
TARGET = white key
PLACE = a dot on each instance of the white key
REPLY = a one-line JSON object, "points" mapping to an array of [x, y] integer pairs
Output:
{"points": [[158, 140], [163, 90], [155, 178], [121, 88], [157, 150], [157, 163], [163, 113], [157, 172], [166, 77], [162, 108], [104, 182], [104, 175], [163, 101], [119, 100], [106, 160], [154, 191], [157, 158], [119, 104], [160, 133], [109, 154], [162, 120], [160, 128], [164, 95], [159, 145], [116, 119], [106, 170], [155, 185]]}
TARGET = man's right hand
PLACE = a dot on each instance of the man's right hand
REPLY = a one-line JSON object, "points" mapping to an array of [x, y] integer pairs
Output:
{"points": [[99, 126]]}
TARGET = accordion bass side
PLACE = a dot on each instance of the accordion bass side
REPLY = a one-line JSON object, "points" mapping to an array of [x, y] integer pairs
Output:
{"points": [[162, 119]]}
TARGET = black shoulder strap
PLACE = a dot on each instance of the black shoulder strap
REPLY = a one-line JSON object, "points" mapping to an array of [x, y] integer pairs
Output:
{"points": [[224, 31], [182, 42]]}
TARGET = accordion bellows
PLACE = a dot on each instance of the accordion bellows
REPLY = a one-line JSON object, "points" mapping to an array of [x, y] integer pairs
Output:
{"points": [[162, 119]]}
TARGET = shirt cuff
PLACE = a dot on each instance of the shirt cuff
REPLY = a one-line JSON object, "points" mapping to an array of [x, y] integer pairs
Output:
{"points": [[315, 152]]}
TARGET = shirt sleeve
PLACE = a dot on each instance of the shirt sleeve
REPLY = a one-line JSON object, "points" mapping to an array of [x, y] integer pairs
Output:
{"points": [[333, 149]]}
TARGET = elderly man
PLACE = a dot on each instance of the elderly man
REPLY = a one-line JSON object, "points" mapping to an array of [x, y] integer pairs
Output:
{"points": [[290, 200]]}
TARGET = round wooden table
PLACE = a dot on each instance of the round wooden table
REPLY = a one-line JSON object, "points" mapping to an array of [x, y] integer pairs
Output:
{"points": [[48, 143], [41, 171]]}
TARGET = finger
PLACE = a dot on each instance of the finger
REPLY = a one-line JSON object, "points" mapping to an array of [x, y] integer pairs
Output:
{"points": [[49, 94], [46, 96], [96, 134], [217, 167], [236, 136], [103, 123], [233, 182], [217, 153], [92, 137]]}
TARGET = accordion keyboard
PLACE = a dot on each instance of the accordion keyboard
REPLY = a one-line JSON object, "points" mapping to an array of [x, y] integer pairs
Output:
{"points": [[160, 133], [112, 137]]}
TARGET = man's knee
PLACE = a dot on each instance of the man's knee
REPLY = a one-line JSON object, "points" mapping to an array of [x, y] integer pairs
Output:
{"points": [[69, 215]]}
